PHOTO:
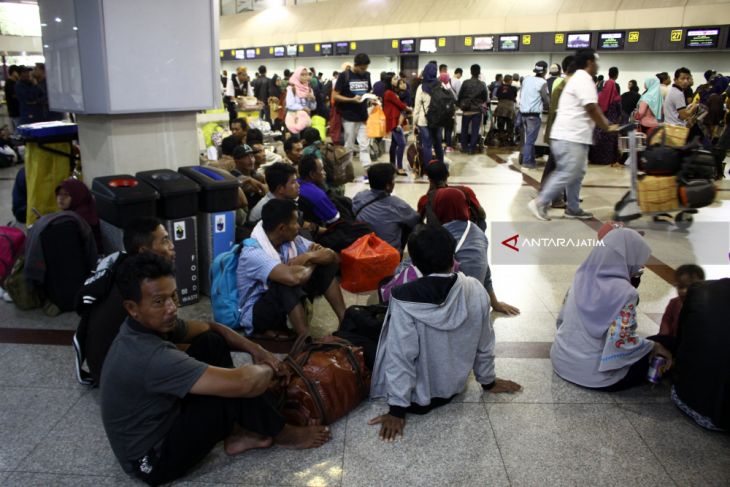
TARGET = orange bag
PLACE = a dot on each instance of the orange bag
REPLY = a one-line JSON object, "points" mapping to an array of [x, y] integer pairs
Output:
{"points": [[367, 262], [376, 123]]}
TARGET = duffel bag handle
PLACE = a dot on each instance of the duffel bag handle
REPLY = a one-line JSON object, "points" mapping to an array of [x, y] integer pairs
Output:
{"points": [[310, 387]]}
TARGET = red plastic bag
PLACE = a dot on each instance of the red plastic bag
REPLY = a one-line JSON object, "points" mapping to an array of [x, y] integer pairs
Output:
{"points": [[367, 262]]}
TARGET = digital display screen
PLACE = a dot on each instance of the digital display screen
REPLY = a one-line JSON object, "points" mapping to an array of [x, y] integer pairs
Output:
{"points": [[509, 43], [250, 53], [279, 51], [702, 38], [240, 54], [578, 41], [326, 49], [407, 46], [428, 45], [483, 43], [291, 50], [611, 40], [342, 48]]}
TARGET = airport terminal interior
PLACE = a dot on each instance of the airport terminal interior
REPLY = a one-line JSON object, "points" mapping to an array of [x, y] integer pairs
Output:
{"points": [[149, 85]]}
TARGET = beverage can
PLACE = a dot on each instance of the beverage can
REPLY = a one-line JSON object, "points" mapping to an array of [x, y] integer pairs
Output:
{"points": [[655, 369]]}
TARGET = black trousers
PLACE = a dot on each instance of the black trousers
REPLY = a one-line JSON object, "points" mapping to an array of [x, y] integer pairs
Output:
{"points": [[204, 421]]}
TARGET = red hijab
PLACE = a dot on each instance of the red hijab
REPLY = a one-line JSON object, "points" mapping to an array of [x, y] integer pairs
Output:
{"points": [[450, 204], [81, 200], [608, 95]]}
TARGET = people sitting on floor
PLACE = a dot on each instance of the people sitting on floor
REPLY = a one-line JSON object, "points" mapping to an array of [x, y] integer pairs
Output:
{"points": [[437, 331], [239, 132], [277, 269], [252, 183], [685, 276], [311, 188], [392, 218], [452, 211], [164, 409], [263, 158], [597, 345], [293, 149], [281, 178], [312, 142], [100, 304], [73, 195], [438, 175]]}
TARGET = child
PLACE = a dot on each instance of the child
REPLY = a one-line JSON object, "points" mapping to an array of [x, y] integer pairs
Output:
{"points": [[685, 275]]}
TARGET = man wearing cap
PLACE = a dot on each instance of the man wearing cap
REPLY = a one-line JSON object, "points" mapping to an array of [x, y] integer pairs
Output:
{"points": [[555, 73], [533, 97]]}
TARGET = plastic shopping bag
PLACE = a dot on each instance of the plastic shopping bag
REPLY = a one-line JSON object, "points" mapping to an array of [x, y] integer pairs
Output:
{"points": [[376, 123], [366, 262]]}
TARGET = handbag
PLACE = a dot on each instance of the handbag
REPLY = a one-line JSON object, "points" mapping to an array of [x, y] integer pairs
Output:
{"points": [[375, 125], [327, 381], [696, 193]]}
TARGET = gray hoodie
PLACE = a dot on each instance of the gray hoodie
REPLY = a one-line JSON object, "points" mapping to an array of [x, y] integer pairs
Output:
{"points": [[427, 350]]}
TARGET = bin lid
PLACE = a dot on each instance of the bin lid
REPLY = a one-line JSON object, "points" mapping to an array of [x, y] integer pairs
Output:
{"points": [[209, 177], [168, 182], [122, 189]]}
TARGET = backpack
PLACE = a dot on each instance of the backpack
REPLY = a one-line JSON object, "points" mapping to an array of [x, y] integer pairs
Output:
{"points": [[361, 326], [337, 164], [442, 107], [223, 289], [11, 246]]}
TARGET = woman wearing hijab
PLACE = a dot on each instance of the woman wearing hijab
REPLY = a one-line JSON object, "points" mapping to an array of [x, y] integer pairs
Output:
{"points": [[394, 110], [650, 105], [605, 144], [73, 195], [452, 210], [300, 101], [596, 345], [430, 137]]}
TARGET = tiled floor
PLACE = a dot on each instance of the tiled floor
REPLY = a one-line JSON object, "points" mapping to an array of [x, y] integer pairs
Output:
{"points": [[551, 433]]}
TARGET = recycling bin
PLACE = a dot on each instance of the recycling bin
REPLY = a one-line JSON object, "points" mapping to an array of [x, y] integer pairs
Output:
{"points": [[177, 207], [120, 200], [217, 202]]}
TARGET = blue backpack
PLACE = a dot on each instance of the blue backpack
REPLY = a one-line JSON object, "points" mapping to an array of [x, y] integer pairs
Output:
{"points": [[223, 290]]}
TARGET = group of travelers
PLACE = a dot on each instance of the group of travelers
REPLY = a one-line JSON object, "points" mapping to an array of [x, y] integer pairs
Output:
{"points": [[26, 95]]}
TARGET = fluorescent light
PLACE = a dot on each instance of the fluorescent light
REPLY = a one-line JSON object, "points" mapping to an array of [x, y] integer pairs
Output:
{"points": [[44, 25], [57, 19], [75, 28]]}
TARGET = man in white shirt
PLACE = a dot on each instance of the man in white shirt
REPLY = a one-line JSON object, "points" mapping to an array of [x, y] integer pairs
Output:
{"points": [[456, 81], [676, 111], [571, 137]]}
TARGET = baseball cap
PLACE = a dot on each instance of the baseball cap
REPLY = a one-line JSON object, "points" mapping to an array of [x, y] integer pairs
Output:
{"points": [[242, 151], [540, 67], [555, 69]]}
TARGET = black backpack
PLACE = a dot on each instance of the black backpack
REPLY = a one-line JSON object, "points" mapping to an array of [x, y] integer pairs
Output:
{"points": [[442, 108], [361, 326]]}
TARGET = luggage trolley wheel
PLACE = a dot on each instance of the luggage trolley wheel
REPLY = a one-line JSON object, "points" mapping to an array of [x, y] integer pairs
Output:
{"points": [[684, 219]]}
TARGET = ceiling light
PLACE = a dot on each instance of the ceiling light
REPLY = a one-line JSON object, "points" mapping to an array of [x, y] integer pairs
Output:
{"points": [[75, 28], [57, 19]]}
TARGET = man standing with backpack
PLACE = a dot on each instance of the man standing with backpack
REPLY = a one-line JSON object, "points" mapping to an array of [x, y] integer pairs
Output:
{"points": [[350, 87], [472, 95], [433, 109], [533, 97]]}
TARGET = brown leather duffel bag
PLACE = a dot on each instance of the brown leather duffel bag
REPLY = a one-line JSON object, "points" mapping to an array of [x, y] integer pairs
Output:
{"points": [[328, 380]]}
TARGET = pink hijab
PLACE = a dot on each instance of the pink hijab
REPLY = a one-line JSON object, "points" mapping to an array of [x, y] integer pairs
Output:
{"points": [[300, 89]]}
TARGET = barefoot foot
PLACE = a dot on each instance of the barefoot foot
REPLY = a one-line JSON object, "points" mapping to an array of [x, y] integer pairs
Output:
{"points": [[303, 437], [240, 441]]}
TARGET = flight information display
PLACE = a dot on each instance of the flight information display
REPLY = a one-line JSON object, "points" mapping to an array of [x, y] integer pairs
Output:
{"points": [[611, 40], [509, 43], [702, 38]]}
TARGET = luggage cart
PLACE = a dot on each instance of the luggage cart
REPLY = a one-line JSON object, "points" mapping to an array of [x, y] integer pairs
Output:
{"points": [[628, 207]]}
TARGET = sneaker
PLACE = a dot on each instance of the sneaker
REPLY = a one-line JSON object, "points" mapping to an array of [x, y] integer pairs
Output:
{"points": [[580, 214], [540, 212]]}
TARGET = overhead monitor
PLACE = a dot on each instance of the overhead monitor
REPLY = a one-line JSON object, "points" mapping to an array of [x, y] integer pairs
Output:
{"points": [[611, 40], [250, 53], [702, 38], [240, 54], [407, 46], [342, 48], [428, 45], [326, 49], [578, 41], [509, 43], [279, 51], [291, 50], [485, 43]]}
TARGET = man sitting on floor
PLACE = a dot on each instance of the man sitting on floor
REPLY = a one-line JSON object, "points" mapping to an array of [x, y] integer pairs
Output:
{"points": [[438, 175], [281, 178], [163, 409], [293, 149], [391, 217], [437, 331], [239, 132], [311, 182], [100, 305], [278, 268]]}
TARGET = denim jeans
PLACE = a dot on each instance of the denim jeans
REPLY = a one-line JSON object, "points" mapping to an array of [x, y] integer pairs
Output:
{"points": [[431, 139], [470, 123], [357, 130], [571, 160], [531, 126], [397, 146]]}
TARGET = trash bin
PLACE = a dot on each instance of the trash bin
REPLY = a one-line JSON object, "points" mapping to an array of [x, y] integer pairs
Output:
{"points": [[120, 200], [177, 207], [217, 201]]}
